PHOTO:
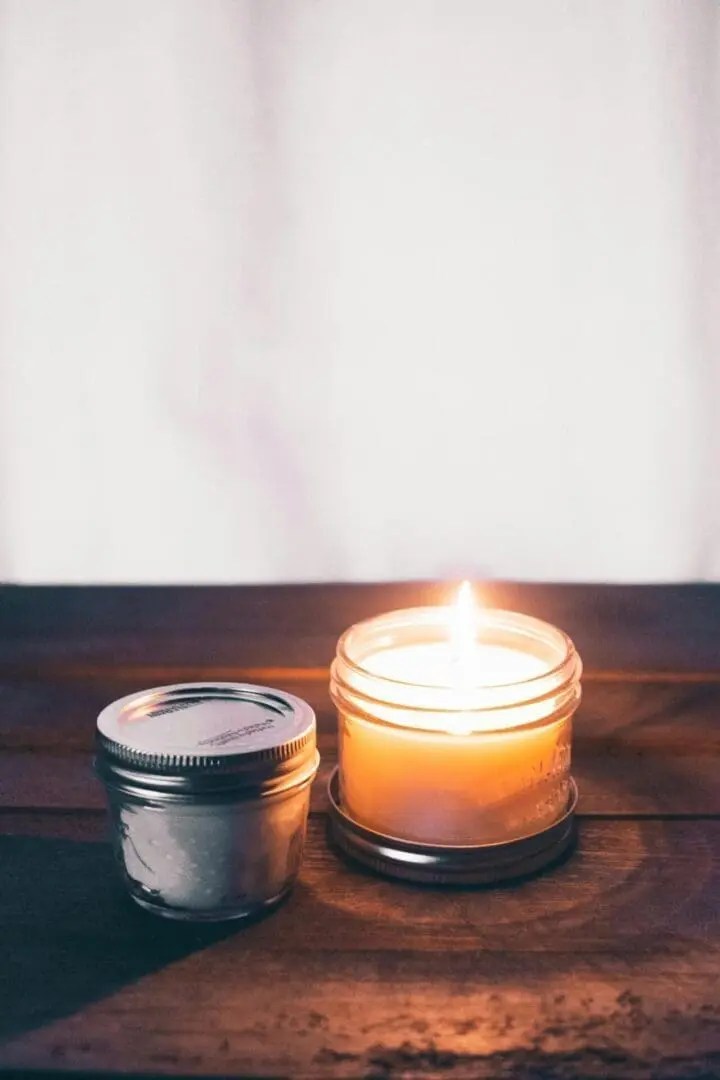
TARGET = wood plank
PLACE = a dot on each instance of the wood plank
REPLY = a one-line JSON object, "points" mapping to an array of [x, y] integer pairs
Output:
{"points": [[393, 1018], [680, 717], [42, 781], [53, 713], [606, 967], [590, 905], [669, 871], [616, 627], [77, 825], [612, 782], [640, 747]]}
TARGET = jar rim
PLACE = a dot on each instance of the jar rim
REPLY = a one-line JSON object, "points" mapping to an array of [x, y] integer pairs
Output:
{"points": [[430, 616], [558, 683], [230, 786]]}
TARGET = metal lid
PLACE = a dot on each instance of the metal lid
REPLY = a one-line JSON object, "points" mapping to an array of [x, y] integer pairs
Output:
{"points": [[487, 864], [205, 736]]}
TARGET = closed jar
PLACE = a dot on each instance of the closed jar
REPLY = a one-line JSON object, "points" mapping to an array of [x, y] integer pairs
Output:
{"points": [[208, 791]]}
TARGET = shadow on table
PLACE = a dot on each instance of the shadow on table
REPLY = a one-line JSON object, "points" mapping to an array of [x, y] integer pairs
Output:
{"points": [[69, 935]]}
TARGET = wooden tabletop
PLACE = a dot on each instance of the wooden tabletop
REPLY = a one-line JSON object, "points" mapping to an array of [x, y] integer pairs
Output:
{"points": [[608, 966]]}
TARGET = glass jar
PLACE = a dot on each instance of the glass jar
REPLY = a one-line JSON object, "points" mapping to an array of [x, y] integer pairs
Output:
{"points": [[208, 789], [478, 759]]}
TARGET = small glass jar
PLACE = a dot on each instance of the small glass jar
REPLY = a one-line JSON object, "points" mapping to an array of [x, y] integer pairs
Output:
{"points": [[208, 789], [481, 759]]}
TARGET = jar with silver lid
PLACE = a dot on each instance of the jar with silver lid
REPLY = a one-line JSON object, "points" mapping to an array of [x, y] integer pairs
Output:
{"points": [[208, 789]]}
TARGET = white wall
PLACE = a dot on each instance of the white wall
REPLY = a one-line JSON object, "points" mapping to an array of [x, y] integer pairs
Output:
{"points": [[359, 289]]}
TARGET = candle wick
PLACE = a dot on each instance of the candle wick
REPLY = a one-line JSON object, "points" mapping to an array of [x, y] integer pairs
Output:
{"points": [[463, 637], [461, 662]]}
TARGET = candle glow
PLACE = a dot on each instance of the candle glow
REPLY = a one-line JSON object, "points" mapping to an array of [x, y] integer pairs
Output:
{"points": [[449, 729]]}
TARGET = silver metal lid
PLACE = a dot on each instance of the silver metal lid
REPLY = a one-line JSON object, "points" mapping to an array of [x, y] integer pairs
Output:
{"points": [[488, 864], [206, 736]]}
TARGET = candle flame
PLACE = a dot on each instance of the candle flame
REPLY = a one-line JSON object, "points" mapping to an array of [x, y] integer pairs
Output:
{"points": [[462, 630], [463, 621]]}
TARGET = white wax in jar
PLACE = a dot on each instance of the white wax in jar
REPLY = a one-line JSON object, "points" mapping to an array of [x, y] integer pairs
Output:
{"points": [[439, 663], [454, 777]]}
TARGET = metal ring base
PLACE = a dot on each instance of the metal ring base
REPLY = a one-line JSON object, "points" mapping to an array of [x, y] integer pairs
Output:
{"points": [[430, 864]]}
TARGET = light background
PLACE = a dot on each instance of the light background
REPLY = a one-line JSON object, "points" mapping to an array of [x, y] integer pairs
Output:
{"points": [[351, 289]]}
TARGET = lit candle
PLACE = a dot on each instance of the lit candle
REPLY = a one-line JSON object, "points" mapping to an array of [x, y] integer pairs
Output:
{"points": [[455, 723]]}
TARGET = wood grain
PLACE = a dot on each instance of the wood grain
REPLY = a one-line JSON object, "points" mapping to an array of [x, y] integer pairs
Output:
{"points": [[51, 713], [606, 967], [608, 964], [639, 748], [669, 871], [626, 628], [613, 781]]}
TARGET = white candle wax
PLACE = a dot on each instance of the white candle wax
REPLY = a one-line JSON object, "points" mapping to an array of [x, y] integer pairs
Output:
{"points": [[439, 663]]}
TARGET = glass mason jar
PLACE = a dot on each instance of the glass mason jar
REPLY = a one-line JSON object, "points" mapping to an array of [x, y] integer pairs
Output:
{"points": [[208, 790], [478, 759]]}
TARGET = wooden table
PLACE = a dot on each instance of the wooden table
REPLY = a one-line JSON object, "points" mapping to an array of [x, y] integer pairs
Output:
{"points": [[609, 966]]}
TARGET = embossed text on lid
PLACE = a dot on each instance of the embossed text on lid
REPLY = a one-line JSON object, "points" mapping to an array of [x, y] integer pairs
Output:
{"points": [[207, 720]]}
